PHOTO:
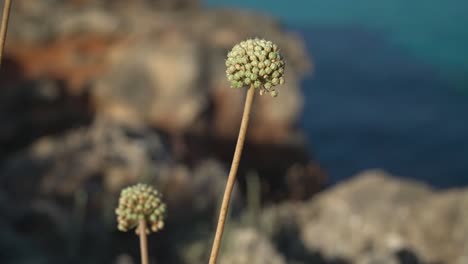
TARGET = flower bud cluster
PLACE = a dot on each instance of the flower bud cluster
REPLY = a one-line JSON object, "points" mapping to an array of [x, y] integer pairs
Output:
{"points": [[255, 62], [140, 202]]}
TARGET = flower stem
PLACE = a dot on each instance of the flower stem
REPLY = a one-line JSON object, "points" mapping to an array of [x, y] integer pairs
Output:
{"points": [[143, 241], [232, 175], [4, 26]]}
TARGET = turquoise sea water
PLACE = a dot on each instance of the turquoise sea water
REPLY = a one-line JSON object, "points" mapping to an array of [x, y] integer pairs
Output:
{"points": [[436, 31], [390, 86]]}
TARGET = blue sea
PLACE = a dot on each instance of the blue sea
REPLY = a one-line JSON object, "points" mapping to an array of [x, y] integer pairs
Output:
{"points": [[390, 84]]}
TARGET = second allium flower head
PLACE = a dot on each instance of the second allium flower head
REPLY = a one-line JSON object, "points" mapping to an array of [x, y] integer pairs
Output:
{"points": [[140, 202], [255, 62]]}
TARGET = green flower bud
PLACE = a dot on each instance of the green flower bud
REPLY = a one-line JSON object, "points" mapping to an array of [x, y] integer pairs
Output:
{"points": [[139, 202], [275, 81], [243, 60], [257, 84]]}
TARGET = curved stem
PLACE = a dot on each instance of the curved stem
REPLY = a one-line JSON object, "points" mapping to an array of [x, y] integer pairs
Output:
{"points": [[232, 176], [143, 242], [4, 26]]}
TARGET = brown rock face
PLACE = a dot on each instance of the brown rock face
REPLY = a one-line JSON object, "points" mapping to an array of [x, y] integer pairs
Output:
{"points": [[74, 59], [154, 81], [145, 62]]}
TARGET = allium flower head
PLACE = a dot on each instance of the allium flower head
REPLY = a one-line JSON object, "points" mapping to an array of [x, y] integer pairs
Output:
{"points": [[255, 62], [140, 202]]}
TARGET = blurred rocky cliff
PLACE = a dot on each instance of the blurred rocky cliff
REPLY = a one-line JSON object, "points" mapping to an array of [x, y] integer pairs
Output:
{"points": [[158, 64], [97, 95]]}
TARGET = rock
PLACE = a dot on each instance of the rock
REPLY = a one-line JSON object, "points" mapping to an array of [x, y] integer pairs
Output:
{"points": [[96, 21], [37, 108], [142, 61], [74, 60], [246, 245], [376, 218], [241, 244], [155, 81], [106, 152]]}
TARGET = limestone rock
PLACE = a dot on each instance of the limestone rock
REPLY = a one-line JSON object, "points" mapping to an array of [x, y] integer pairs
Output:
{"points": [[112, 154], [377, 218], [246, 245]]}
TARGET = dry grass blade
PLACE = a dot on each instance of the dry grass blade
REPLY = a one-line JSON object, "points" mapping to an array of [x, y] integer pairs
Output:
{"points": [[4, 27]]}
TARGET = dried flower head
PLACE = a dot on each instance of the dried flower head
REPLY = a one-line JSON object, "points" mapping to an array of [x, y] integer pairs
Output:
{"points": [[255, 62], [140, 202]]}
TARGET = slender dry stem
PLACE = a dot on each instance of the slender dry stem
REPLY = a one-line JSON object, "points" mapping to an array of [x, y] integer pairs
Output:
{"points": [[4, 26], [143, 241], [232, 176]]}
